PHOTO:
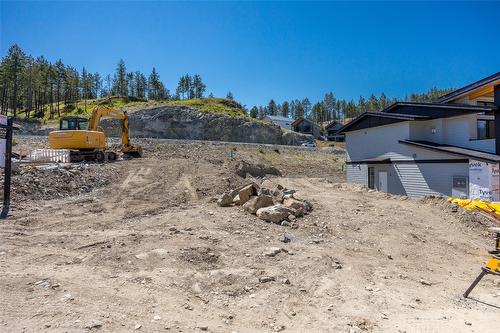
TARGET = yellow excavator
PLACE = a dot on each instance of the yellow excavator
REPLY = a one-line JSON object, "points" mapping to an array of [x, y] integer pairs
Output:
{"points": [[87, 141]]}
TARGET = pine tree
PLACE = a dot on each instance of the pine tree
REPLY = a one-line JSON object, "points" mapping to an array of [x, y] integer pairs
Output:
{"points": [[131, 85], [15, 62], [373, 104], [154, 85], [362, 104], [285, 109], [299, 109], [254, 112], [140, 85], [199, 86], [120, 79], [96, 85], [272, 109], [306, 106], [329, 106], [230, 95]]}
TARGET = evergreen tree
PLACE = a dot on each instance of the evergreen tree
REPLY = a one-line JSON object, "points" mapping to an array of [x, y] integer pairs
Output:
{"points": [[373, 105], [329, 106], [141, 85], [230, 95], [285, 109], [14, 65], [306, 105], [199, 86], [254, 112], [292, 109], [96, 84], [156, 89], [131, 85], [185, 88], [120, 79], [299, 109], [362, 105], [272, 109]]}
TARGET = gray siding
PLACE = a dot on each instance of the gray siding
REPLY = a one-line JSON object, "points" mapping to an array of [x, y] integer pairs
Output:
{"points": [[429, 178], [411, 179], [357, 173]]}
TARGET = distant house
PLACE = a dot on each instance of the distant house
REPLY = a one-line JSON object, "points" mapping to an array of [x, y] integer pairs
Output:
{"points": [[306, 126], [448, 148], [282, 122], [332, 132]]}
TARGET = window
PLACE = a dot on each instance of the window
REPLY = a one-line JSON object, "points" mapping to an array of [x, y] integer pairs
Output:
{"points": [[83, 124], [485, 129], [371, 178], [74, 124]]}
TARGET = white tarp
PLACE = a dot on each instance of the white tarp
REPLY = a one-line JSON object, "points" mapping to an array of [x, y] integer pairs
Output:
{"points": [[3, 142], [484, 181]]}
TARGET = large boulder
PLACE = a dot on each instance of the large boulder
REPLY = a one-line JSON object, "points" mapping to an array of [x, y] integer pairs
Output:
{"points": [[256, 170], [275, 214], [301, 207], [225, 200], [255, 203], [245, 194]]}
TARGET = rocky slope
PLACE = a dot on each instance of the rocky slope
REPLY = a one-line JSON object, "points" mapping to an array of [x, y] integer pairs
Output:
{"points": [[178, 122]]}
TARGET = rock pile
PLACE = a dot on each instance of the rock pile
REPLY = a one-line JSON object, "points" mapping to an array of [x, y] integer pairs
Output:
{"points": [[56, 181], [271, 202]]}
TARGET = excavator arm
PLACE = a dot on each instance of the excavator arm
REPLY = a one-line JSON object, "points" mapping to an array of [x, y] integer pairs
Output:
{"points": [[102, 111]]}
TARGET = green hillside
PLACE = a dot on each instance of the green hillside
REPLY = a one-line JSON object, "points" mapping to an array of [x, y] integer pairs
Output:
{"points": [[214, 105]]}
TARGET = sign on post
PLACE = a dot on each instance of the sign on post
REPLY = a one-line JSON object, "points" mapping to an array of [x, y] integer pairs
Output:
{"points": [[3, 139], [5, 161]]}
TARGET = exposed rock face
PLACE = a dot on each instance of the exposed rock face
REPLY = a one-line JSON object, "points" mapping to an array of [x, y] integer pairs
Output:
{"points": [[172, 122]]}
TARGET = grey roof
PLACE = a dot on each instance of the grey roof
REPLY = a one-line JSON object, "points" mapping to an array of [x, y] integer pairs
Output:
{"points": [[301, 119], [369, 119], [279, 118], [478, 155], [402, 111], [468, 88]]}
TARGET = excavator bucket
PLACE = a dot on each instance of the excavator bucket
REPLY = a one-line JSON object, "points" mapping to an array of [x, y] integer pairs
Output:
{"points": [[132, 150]]}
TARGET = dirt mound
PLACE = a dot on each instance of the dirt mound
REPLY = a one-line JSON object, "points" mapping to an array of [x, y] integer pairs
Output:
{"points": [[56, 181]]}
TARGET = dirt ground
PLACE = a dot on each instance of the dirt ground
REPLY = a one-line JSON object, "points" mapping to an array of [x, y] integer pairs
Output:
{"points": [[147, 249]]}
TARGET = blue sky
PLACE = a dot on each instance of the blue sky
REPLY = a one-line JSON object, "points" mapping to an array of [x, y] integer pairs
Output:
{"points": [[263, 50]]}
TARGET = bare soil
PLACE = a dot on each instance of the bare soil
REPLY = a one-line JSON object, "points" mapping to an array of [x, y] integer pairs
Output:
{"points": [[147, 249]]}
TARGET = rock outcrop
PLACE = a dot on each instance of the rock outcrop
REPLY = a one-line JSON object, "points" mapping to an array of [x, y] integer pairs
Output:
{"points": [[174, 122]]}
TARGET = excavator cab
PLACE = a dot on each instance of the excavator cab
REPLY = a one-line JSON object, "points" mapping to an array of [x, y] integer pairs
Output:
{"points": [[72, 123]]}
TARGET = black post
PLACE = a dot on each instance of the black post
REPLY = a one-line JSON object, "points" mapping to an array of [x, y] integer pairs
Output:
{"points": [[497, 119], [7, 170]]}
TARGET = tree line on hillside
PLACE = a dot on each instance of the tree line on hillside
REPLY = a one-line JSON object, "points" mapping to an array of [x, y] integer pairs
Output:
{"points": [[35, 86], [331, 108]]}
